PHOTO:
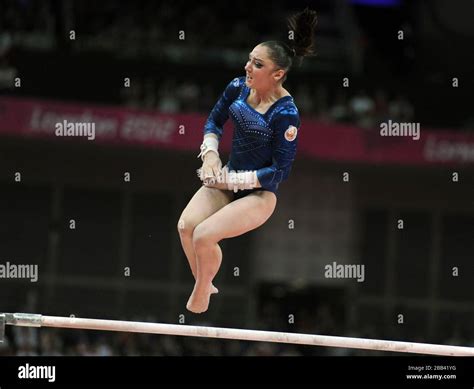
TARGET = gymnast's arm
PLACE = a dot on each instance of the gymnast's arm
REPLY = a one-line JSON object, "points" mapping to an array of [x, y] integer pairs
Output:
{"points": [[285, 126], [213, 130]]}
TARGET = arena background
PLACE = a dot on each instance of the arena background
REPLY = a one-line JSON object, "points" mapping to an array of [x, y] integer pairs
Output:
{"points": [[99, 216]]}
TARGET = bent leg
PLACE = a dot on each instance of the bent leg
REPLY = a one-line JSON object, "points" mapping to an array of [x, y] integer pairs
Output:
{"points": [[204, 203], [234, 219]]}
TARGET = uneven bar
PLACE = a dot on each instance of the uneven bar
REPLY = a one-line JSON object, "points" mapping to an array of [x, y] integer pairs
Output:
{"points": [[36, 320]]}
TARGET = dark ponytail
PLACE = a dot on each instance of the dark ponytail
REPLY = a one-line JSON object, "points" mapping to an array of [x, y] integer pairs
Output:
{"points": [[302, 26]]}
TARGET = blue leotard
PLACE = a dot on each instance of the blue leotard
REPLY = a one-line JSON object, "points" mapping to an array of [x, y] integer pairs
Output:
{"points": [[263, 142]]}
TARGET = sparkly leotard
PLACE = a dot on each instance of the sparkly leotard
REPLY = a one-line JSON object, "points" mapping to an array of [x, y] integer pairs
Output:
{"points": [[263, 142]]}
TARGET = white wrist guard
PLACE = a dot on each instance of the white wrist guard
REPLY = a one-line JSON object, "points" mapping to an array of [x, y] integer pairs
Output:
{"points": [[210, 143], [240, 180]]}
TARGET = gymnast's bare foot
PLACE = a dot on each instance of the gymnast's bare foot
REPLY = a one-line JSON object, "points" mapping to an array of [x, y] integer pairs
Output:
{"points": [[214, 290], [199, 300]]}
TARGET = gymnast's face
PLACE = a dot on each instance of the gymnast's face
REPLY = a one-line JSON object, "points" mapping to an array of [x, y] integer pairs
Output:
{"points": [[262, 73]]}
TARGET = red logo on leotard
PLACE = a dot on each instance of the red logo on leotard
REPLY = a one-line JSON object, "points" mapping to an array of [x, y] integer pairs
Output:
{"points": [[290, 133]]}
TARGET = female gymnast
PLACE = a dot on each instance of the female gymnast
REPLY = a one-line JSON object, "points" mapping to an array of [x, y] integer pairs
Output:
{"points": [[241, 196]]}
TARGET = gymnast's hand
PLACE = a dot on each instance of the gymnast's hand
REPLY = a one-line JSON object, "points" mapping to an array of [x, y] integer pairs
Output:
{"points": [[217, 185], [211, 168], [220, 182]]}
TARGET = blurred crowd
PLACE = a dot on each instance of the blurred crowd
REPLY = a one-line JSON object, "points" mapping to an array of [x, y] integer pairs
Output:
{"points": [[126, 27], [111, 24], [150, 31], [363, 109]]}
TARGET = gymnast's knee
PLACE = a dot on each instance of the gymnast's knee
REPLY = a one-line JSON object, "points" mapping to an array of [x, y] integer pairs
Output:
{"points": [[201, 236], [185, 227]]}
